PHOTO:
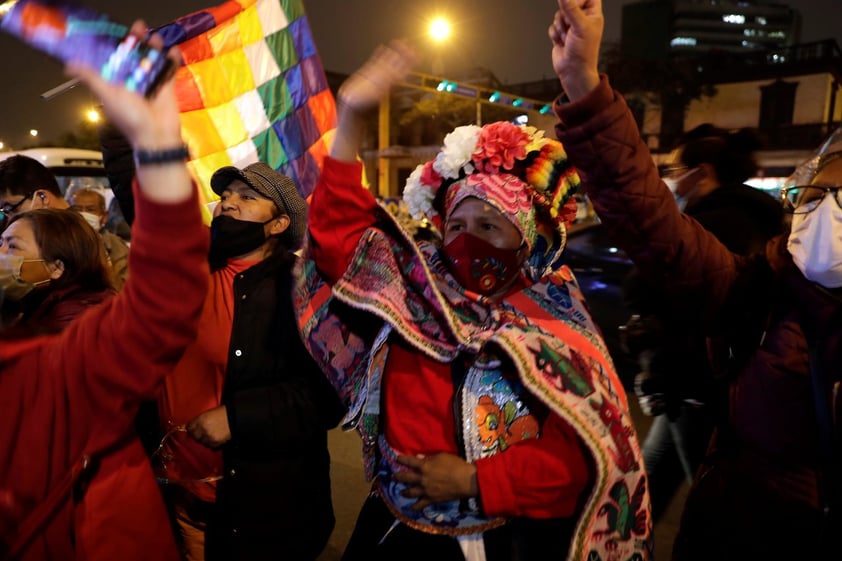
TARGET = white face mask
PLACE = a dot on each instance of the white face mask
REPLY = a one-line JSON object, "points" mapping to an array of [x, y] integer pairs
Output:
{"points": [[672, 184], [92, 219], [815, 243]]}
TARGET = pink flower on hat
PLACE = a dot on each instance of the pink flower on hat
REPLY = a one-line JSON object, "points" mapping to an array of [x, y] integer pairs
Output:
{"points": [[499, 146], [429, 176]]}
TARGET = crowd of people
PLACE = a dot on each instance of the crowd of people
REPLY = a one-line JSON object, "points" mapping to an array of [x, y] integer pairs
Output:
{"points": [[493, 423]]}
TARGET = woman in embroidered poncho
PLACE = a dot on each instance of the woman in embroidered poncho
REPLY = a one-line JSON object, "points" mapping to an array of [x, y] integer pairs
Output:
{"points": [[493, 423]]}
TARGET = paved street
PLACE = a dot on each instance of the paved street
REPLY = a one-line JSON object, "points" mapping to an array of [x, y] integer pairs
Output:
{"points": [[350, 489]]}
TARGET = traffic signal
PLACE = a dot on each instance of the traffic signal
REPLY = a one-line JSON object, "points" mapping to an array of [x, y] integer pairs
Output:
{"points": [[446, 86]]}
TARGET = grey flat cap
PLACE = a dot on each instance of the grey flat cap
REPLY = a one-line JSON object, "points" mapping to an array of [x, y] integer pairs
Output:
{"points": [[273, 185]]}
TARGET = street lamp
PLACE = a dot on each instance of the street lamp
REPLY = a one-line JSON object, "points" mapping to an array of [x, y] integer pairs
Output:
{"points": [[33, 132], [439, 31], [92, 115]]}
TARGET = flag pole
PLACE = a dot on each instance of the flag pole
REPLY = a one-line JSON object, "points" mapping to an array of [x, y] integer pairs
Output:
{"points": [[60, 89]]}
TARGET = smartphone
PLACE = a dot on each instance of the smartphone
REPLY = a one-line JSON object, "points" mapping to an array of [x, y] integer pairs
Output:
{"points": [[73, 33]]}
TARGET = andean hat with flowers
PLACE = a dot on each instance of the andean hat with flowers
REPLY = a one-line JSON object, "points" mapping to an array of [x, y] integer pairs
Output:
{"points": [[522, 174]]}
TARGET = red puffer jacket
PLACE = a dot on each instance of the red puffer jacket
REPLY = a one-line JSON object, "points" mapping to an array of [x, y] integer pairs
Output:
{"points": [[72, 395], [759, 493]]}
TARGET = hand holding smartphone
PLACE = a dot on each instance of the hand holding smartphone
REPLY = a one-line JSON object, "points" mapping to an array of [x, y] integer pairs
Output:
{"points": [[79, 35]]}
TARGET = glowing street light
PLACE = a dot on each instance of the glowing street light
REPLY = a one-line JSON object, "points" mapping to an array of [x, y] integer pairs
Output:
{"points": [[92, 115], [2, 145], [33, 132], [439, 30]]}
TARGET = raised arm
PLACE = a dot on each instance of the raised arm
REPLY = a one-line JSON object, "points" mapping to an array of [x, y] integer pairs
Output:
{"points": [[575, 33], [603, 141], [341, 210], [116, 354], [362, 92], [149, 125]]}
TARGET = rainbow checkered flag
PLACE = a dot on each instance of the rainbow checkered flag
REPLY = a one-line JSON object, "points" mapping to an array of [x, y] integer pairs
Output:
{"points": [[252, 88]]}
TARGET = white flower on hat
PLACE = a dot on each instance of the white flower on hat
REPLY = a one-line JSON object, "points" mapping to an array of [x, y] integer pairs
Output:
{"points": [[459, 146], [417, 196]]}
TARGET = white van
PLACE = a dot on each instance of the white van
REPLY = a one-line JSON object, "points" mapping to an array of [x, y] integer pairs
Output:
{"points": [[74, 168]]}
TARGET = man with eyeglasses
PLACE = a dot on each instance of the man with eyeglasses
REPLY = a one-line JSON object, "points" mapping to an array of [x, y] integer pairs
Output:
{"points": [[25, 184], [771, 484], [816, 238]]}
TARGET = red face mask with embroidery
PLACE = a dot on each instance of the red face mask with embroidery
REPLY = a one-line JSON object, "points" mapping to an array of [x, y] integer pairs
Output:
{"points": [[479, 266]]}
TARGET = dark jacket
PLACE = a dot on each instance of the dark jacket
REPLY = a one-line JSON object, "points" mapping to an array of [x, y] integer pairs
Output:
{"points": [[274, 501], [741, 217], [744, 220], [759, 496], [118, 159]]}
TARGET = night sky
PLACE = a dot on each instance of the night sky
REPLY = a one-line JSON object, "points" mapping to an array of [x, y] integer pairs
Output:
{"points": [[488, 33]]}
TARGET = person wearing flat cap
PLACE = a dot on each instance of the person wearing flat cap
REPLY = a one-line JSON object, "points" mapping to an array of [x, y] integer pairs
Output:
{"points": [[244, 459]]}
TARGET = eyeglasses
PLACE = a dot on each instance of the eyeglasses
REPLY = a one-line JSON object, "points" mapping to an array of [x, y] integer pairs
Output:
{"points": [[803, 199], [8, 208], [672, 170]]}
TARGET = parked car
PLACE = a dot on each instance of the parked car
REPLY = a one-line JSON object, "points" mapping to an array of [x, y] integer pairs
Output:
{"points": [[601, 268]]}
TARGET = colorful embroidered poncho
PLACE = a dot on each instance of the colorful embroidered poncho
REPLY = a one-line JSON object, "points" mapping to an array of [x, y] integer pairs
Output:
{"points": [[544, 331]]}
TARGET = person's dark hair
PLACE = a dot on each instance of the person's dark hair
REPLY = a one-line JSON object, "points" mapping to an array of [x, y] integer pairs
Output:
{"points": [[64, 235], [731, 154], [20, 175]]}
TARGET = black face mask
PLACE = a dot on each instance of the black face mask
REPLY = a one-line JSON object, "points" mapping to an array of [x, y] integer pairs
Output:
{"points": [[231, 237]]}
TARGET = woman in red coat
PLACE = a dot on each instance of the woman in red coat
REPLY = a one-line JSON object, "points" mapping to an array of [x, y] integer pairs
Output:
{"points": [[53, 267], [74, 480]]}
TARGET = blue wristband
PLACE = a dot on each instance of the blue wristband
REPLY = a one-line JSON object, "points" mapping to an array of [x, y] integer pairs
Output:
{"points": [[153, 157]]}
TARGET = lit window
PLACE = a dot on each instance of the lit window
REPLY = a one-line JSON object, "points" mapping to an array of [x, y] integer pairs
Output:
{"points": [[734, 18], [760, 20], [683, 42]]}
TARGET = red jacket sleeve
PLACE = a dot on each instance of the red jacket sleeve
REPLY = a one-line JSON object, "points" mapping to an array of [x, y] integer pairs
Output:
{"points": [[341, 209], [120, 351], [536, 478]]}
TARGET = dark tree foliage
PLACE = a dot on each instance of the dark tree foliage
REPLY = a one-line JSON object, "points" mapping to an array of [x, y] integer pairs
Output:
{"points": [[432, 116], [671, 82]]}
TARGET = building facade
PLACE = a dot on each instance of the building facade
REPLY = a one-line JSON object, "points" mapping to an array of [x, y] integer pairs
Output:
{"points": [[660, 28]]}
